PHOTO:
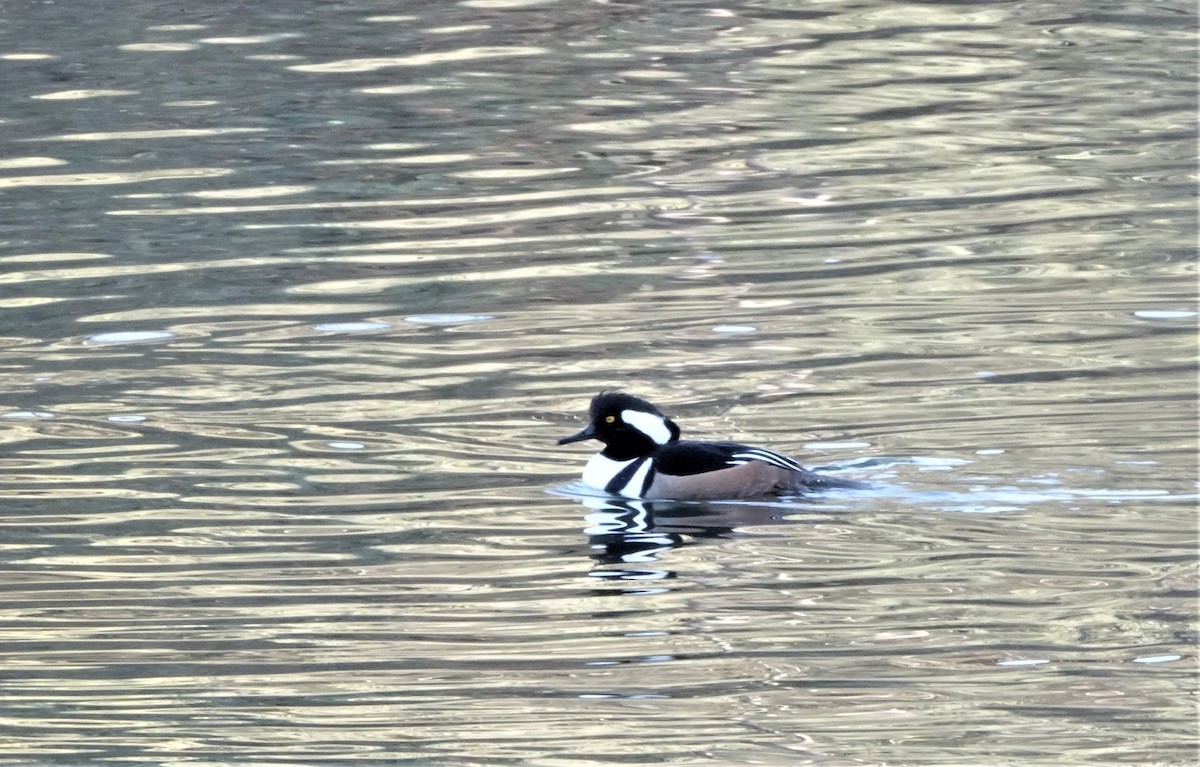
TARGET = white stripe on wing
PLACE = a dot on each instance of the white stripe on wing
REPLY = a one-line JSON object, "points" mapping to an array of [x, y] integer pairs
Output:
{"points": [[767, 456]]}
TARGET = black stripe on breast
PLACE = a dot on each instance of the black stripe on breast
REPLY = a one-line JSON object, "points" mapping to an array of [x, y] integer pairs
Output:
{"points": [[647, 482], [622, 477]]}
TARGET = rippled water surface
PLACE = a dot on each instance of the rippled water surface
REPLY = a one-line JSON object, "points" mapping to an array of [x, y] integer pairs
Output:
{"points": [[295, 299]]}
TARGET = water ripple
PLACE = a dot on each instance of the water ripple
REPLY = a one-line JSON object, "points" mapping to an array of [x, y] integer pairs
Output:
{"points": [[295, 320]]}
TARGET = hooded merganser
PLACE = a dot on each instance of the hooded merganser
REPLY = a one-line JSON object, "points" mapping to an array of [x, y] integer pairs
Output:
{"points": [[643, 457]]}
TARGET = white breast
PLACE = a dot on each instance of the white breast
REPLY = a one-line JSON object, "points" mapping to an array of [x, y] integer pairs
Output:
{"points": [[600, 470]]}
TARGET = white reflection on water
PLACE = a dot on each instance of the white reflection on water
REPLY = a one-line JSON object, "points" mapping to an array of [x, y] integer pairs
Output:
{"points": [[131, 336], [447, 319], [351, 327]]}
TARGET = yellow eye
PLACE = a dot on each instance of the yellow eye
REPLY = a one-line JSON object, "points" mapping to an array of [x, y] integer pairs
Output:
{"points": [[610, 419]]}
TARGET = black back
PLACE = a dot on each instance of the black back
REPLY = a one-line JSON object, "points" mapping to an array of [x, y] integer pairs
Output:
{"points": [[680, 459]]}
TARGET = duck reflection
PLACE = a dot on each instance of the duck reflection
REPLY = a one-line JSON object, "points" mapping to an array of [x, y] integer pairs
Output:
{"points": [[626, 536]]}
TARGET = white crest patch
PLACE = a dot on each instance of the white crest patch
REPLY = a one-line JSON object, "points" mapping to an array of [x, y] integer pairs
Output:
{"points": [[653, 426]]}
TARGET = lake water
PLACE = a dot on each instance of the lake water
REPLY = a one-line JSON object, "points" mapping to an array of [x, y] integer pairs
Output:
{"points": [[296, 298]]}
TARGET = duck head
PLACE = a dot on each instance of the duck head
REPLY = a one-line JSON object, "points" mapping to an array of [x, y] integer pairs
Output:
{"points": [[628, 426]]}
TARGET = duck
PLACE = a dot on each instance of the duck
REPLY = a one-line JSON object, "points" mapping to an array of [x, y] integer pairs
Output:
{"points": [[644, 457]]}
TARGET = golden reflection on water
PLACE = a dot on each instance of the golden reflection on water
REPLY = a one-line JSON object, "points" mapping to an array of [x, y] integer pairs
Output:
{"points": [[85, 179], [419, 60], [84, 94], [138, 135]]}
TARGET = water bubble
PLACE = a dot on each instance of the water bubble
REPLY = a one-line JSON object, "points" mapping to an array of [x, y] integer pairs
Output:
{"points": [[735, 329]]}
